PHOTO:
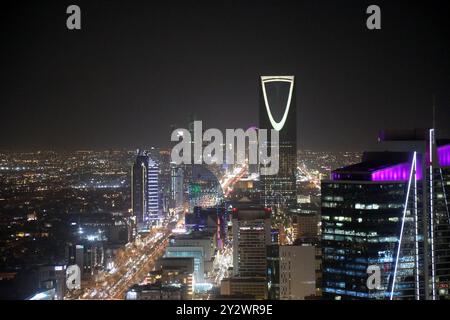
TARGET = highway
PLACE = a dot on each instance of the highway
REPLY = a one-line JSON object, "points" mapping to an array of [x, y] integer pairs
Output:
{"points": [[223, 261], [229, 179], [305, 175], [131, 266]]}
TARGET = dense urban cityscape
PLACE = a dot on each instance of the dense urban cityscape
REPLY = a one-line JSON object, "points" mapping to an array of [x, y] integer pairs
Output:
{"points": [[53, 202], [135, 225], [254, 151]]}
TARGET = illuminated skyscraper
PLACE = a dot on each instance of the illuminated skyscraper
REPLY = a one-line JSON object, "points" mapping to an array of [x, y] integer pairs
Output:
{"points": [[389, 211], [154, 213], [251, 236], [145, 191], [53, 277], [176, 186], [278, 111]]}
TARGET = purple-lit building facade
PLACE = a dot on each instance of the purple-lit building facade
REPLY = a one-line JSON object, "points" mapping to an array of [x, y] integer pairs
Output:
{"points": [[390, 211]]}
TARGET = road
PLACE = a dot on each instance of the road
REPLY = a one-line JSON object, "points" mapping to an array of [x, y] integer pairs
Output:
{"points": [[131, 266], [229, 179], [222, 262], [305, 175]]}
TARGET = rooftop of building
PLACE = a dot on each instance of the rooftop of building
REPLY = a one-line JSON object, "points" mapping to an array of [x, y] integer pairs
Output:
{"points": [[251, 213], [246, 279], [307, 209], [179, 269], [394, 165], [155, 287], [194, 235]]}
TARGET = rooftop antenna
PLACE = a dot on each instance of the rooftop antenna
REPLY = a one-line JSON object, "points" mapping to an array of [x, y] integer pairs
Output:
{"points": [[434, 111]]}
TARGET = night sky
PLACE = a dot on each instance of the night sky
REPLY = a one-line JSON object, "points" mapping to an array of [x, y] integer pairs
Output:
{"points": [[137, 67]]}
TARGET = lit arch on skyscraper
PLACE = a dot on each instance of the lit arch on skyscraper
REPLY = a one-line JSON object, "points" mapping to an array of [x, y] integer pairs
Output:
{"points": [[265, 79]]}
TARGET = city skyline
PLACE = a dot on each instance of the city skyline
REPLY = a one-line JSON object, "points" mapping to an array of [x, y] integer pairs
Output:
{"points": [[228, 150]]}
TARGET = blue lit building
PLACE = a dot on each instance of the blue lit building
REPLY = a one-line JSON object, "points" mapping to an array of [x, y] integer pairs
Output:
{"points": [[153, 193], [389, 211], [145, 191]]}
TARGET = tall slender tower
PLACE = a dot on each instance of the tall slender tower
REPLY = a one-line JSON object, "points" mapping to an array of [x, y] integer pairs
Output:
{"points": [[145, 191], [278, 111], [177, 191]]}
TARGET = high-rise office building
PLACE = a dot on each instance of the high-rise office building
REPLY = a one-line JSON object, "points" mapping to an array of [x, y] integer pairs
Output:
{"points": [[177, 190], [153, 193], [297, 272], [251, 235], [292, 270], [145, 191], [305, 221], [53, 277], [250, 288], [273, 271], [278, 111], [89, 256], [389, 212]]}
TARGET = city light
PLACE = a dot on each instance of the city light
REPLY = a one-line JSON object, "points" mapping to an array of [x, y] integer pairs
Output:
{"points": [[221, 158]]}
